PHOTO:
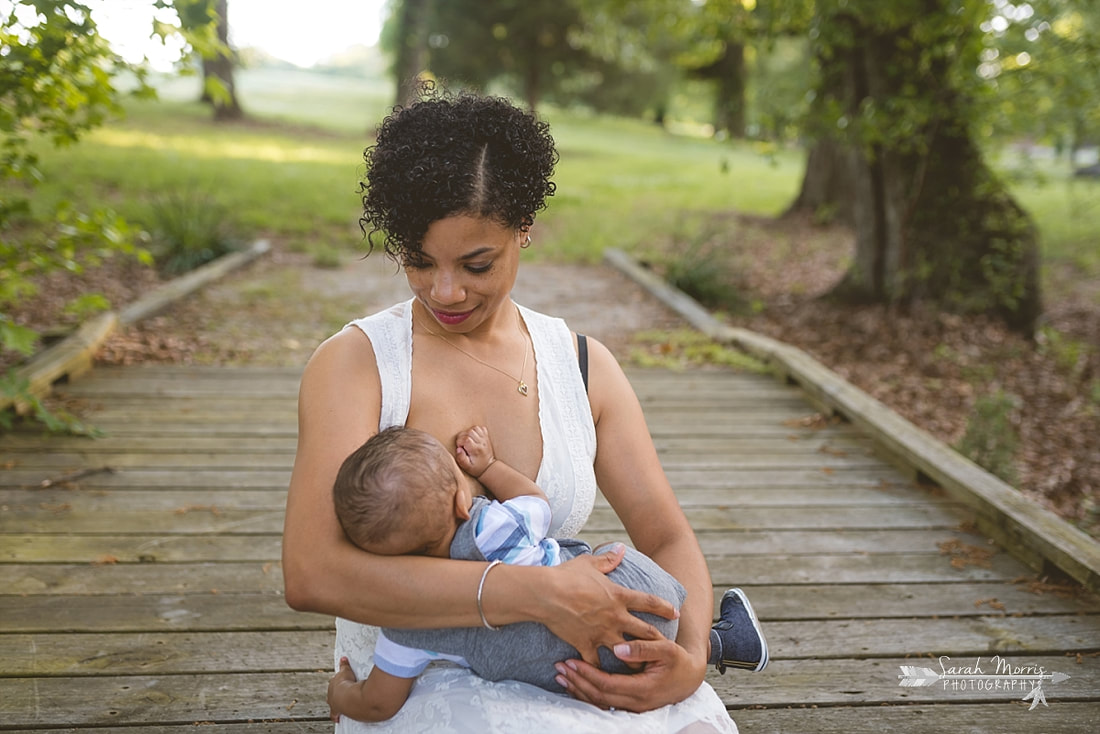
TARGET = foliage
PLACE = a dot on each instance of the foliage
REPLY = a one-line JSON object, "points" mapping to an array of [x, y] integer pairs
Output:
{"points": [[188, 228], [59, 80], [991, 439], [684, 348], [1039, 61]]}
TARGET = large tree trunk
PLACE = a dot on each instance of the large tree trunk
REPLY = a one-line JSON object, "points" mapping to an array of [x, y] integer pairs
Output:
{"points": [[728, 73], [412, 50], [730, 103], [827, 193], [219, 69], [932, 222]]}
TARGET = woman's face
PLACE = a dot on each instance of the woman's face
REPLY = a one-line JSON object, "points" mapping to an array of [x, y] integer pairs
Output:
{"points": [[466, 271]]}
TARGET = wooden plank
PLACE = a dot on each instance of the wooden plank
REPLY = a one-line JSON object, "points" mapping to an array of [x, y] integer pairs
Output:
{"points": [[226, 458], [165, 653], [136, 700], [82, 514], [687, 477], [1063, 717], [872, 682], [201, 518], [285, 726], [70, 358], [964, 637], [175, 653], [155, 613], [270, 499], [160, 578], [140, 578], [857, 569], [239, 611], [177, 547], [17, 447]]}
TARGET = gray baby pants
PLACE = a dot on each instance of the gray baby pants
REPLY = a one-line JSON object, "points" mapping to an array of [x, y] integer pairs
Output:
{"points": [[527, 651]]}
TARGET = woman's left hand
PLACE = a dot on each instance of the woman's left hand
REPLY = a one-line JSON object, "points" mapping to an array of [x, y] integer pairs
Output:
{"points": [[670, 675]]}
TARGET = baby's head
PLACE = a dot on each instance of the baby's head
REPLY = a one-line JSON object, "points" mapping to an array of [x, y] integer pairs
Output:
{"points": [[399, 494]]}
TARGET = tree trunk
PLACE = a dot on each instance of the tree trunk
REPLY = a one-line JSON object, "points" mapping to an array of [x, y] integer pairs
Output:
{"points": [[827, 193], [412, 50], [932, 222], [219, 70], [730, 103]]}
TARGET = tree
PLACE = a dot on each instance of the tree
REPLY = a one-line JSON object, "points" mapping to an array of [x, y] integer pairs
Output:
{"points": [[1039, 61], [529, 45], [204, 24], [409, 45], [58, 80], [932, 221]]}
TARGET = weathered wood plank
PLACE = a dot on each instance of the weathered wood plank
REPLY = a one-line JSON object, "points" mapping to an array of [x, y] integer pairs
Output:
{"points": [[286, 726], [84, 514], [174, 653], [681, 476], [165, 653], [237, 611], [855, 682], [227, 458], [155, 613], [140, 578], [178, 547], [268, 498], [1061, 717], [159, 578], [137, 700], [19, 448]]}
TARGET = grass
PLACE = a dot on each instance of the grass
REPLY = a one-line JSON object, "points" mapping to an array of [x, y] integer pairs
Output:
{"points": [[292, 172]]}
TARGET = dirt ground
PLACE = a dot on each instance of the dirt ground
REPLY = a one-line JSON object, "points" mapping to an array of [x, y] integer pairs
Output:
{"points": [[931, 368]]}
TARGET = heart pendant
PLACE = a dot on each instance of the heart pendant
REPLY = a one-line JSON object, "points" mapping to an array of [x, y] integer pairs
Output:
{"points": [[521, 388]]}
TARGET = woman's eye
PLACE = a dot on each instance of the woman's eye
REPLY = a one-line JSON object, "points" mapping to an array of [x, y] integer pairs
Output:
{"points": [[479, 268]]}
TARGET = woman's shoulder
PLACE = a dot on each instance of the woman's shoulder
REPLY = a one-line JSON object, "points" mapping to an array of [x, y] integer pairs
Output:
{"points": [[353, 350]]}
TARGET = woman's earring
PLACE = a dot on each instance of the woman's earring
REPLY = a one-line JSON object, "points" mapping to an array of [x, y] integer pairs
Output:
{"points": [[526, 242]]}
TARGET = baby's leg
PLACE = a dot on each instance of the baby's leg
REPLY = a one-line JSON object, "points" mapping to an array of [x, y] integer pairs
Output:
{"points": [[528, 651]]}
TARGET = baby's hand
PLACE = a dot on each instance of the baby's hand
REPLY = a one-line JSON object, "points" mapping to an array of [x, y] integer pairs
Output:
{"points": [[474, 450], [343, 676]]}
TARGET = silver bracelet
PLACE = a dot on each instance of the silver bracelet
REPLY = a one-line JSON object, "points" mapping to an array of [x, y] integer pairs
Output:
{"points": [[480, 588]]}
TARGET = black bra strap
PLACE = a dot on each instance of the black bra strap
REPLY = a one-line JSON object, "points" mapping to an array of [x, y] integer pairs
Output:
{"points": [[582, 358]]}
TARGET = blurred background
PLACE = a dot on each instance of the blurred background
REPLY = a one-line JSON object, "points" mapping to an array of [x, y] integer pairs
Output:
{"points": [[936, 160]]}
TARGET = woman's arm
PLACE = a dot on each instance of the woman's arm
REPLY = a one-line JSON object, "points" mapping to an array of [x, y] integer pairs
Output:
{"points": [[339, 404], [630, 476], [338, 409]]}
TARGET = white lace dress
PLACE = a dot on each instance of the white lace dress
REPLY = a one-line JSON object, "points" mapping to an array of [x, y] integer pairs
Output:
{"points": [[447, 698]]}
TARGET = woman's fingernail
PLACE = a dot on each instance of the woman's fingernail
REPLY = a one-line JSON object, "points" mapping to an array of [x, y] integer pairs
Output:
{"points": [[571, 664], [561, 681], [621, 650], [560, 668]]}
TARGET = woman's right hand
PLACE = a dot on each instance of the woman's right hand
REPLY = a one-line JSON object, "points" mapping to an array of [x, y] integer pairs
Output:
{"points": [[592, 611]]}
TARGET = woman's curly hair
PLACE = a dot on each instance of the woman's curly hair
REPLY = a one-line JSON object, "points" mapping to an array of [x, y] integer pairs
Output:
{"points": [[443, 156]]}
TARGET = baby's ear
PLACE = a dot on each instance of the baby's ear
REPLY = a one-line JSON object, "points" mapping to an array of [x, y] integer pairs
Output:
{"points": [[463, 500]]}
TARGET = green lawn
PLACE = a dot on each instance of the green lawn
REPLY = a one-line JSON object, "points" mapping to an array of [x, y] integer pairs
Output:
{"points": [[292, 172]]}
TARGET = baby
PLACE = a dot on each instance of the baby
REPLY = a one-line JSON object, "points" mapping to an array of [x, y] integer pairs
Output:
{"points": [[402, 493]]}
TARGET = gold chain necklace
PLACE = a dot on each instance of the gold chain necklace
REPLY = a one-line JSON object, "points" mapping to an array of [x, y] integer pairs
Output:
{"points": [[521, 386]]}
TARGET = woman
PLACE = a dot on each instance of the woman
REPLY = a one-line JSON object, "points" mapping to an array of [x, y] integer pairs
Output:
{"points": [[453, 186]]}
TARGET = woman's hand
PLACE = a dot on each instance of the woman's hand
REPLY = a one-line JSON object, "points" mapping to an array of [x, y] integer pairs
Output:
{"points": [[593, 611], [670, 674]]}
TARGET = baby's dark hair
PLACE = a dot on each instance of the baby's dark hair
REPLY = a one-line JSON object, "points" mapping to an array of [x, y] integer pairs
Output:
{"points": [[387, 481], [444, 156]]}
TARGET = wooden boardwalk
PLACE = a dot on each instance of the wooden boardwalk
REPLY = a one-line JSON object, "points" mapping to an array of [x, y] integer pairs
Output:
{"points": [[140, 582]]}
